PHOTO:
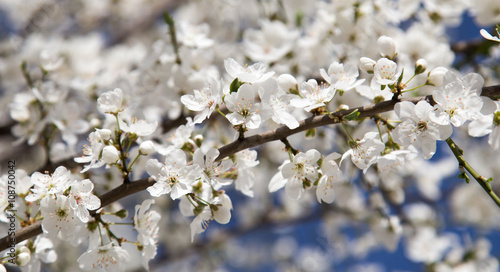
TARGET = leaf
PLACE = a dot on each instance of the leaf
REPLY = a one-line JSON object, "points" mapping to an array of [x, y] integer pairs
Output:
{"points": [[310, 133], [353, 115], [464, 177]]}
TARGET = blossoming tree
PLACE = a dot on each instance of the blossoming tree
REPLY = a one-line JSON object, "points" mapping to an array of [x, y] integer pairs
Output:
{"points": [[132, 130]]}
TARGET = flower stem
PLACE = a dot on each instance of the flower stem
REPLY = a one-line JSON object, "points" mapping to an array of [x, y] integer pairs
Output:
{"points": [[414, 88], [347, 131], [480, 179]]}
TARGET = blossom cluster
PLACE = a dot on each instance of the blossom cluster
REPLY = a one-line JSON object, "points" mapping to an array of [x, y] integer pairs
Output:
{"points": [[249, 98]]}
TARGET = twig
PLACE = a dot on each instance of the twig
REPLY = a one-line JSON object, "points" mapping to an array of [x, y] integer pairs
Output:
{"points": [[480, 179]]}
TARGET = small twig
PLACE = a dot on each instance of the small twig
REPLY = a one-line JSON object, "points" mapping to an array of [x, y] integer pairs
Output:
{"points": [[480, 179]]}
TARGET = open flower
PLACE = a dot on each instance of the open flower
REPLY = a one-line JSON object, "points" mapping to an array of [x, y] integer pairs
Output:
{"points": [[146, 223], [313, 95], [244, 110], [417, 128], [174, 176], [458, 100], [365, 152], [212, 170], [59, 218], [340, 77], [104, 258], [49, 184], [81, 199], [255, 73], [204, 100], [111, 101], [385, 72], [296, 175], [331, 175]]}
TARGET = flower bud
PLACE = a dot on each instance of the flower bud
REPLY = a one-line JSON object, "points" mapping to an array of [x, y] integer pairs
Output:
{"points": [[104, 134], [436, 76], [343, 107], [147, 148], [387, 47], [367, 64], [198, 140], [420, 66], [23, 257], [110, 154], [287, 82], [95, 122], [24, 249]]}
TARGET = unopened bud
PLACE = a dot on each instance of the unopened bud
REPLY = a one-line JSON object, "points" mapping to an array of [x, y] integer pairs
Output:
{"points": [[436, 76], [420, 66], [23, 257], [104, 134], [147, 148], [198, 140], [95, 122], [110, 154], [287, 82], [343, 107], [387, 47], [367, 64]]}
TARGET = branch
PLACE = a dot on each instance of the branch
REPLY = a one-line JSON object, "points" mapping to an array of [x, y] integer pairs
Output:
{"points": [[247, 142]]}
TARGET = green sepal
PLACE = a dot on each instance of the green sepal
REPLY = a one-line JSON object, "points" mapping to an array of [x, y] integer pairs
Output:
{"points": [[400, 79], [235, 85]]}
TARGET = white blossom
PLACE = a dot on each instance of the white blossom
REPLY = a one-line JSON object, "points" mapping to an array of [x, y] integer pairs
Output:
{"points": [[49, 184], [111, 101], [417, 128], [331, 175], [255, 73], [458, 100], [204, 100], [385, 72], [297, 175], [387, 47], [212, 170], [104, 258], [366, 151], [146, 223], [243, 107], [81, 199], [60, 219], [174, 176], [313, 96], [340, 77]]}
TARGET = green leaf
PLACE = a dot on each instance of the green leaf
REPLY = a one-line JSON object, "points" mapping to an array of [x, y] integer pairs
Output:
{"points": [[352, 116], [464, 177], [235, 85], [310, 133], [168, 19]]}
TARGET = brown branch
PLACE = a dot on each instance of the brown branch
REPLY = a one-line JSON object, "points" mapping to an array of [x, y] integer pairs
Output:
{"points": [[247, 142]]}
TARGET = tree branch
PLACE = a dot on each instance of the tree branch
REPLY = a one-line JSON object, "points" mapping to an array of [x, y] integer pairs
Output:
{"points": [[316, 121]]}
